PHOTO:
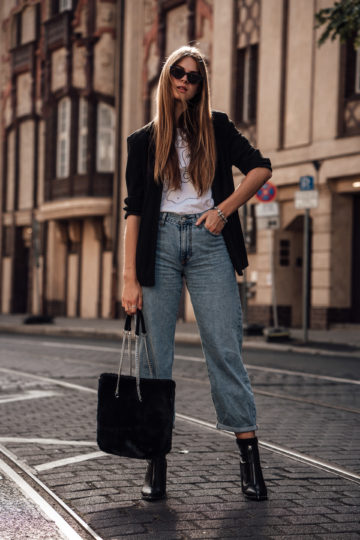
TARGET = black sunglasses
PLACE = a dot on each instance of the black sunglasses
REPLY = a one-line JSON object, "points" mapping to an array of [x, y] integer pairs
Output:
{"points": [[178, 72]]}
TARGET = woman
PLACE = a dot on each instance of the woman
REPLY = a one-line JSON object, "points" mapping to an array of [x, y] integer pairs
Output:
{"points": [[182, 221]]}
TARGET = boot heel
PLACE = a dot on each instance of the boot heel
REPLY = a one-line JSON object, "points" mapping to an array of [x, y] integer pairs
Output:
{"points": [[154, 487], [252, 480]]}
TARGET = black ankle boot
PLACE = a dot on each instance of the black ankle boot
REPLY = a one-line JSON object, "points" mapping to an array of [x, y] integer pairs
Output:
{"points": [[155, 479], [252, 481]]}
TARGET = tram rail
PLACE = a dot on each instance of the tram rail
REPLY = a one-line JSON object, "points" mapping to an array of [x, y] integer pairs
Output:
{"points": [[312, 461]]}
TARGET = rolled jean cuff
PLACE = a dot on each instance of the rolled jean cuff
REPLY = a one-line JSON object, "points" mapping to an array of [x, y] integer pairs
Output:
{"points": [[236, 429]]}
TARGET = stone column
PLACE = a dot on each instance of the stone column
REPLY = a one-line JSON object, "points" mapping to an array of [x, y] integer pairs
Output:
{"points": [[132, 99], [223, 50]]}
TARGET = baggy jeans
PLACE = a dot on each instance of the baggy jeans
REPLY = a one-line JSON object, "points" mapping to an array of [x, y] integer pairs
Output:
{"points": [[193, 252]]}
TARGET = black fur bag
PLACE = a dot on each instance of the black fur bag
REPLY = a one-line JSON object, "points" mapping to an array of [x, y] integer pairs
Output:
{"points": [[135, 415]]}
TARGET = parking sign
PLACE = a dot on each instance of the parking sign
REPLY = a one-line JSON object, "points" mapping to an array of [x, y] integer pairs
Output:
{"points": [[306, 183]]}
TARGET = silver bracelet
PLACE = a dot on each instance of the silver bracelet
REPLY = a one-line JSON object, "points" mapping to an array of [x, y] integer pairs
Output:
{"points": [[221, 214]]}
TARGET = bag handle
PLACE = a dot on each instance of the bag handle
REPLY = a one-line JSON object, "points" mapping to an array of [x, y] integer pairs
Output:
{"points": [[140, 334]]}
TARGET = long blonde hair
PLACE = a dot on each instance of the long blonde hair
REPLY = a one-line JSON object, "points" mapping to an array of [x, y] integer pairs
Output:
{"points": [[195, 123]]}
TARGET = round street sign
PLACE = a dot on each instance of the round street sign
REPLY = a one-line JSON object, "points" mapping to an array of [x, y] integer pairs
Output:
{"points": [[267, 193]]}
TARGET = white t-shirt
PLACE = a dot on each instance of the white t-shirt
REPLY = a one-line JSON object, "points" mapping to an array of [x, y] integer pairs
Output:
{"points": [[186, 199]]}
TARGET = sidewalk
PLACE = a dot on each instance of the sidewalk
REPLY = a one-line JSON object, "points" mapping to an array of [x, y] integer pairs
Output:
{"points": [[340, 340]]}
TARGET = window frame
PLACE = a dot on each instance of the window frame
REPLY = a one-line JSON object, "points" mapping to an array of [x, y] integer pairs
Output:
{"points": [[100, 132], [83, 131], [357, 71], [65, 5], [63, 138], [246, 83]]}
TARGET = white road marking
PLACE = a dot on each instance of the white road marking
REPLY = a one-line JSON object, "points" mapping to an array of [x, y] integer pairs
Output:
{"points": [[277, 449], [193, 359], [68, 461], [28, 394], [24, 467], [56, 442], [304, 374], [60, 345], [45, 507], [278, 370], [49, 380], [199, 359], [75, 346], [247, 344]]}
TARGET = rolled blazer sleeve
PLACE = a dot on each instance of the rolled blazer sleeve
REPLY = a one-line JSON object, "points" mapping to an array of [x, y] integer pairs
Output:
{"points": [[242, 154], [135, 179]]}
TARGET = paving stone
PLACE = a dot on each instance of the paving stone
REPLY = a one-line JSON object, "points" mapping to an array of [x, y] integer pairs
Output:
{"points": [[345, 517], [302, 529], [318, 518], [353, 526], [339, 536], [204, 489]]}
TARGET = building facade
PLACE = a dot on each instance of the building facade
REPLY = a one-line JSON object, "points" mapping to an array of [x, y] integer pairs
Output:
{"points": [[77, 76]]}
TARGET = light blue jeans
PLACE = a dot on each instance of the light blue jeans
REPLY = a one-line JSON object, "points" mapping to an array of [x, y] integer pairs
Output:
{"points": [[184, 249]]}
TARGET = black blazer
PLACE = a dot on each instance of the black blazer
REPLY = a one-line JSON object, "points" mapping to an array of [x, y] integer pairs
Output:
{"points": [[144, 195]]}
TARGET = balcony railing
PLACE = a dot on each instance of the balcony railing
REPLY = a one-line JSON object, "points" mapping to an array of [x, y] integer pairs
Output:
{"points": [[100, 185], [22, 57], [57, 30]]}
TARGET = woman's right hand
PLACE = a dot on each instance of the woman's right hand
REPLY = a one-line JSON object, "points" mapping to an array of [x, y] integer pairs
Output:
{"points": [[132, 296]]}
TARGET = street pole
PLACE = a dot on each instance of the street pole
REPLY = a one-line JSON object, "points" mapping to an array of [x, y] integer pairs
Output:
{"points": [[305, 310], [272, 270], [36, 266]]}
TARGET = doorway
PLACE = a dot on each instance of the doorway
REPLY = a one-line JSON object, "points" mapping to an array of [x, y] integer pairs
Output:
{"points": [[292, 268], [20, 287]]}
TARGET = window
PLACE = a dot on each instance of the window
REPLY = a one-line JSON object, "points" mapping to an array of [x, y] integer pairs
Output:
{"points": [[30, 19], [246, 84], [349, 119], [284, 253], [64, 5], [7, 241], [352, 71], [15, 31], [58, 6], [83, 136], [105, 138], [63, 138]]}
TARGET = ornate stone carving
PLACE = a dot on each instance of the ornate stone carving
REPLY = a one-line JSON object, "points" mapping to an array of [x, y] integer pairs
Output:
{"points": [[248, 25]]}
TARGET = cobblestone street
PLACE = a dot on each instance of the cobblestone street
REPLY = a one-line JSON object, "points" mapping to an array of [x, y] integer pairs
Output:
{"points": [[48, 422]]}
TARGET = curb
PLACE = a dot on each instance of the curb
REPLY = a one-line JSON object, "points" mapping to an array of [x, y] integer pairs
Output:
{"points": [[299, 349], [180, 338], [56, 331]]}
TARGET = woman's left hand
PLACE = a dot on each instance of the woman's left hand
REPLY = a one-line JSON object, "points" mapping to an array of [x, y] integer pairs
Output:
{"points": [[213, 221]]}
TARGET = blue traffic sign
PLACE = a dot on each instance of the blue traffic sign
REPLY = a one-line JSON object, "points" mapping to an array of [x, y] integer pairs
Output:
{"points": [[306, 183]]}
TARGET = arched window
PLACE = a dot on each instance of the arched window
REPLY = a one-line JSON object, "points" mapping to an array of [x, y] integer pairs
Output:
{"points": [[105, 143], [83, 136], [63, 138]]}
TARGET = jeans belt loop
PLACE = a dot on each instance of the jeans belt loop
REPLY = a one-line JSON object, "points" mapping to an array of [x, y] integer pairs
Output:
{"points": [[163, 218]]}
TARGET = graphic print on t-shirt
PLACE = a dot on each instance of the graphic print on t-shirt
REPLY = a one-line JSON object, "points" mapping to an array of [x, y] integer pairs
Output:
{"points": [[186, 199]]}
